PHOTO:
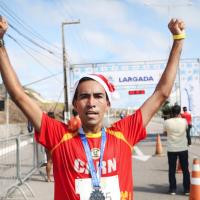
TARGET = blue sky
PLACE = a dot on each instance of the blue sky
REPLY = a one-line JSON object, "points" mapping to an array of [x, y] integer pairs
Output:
{"points": [[109, 30]]}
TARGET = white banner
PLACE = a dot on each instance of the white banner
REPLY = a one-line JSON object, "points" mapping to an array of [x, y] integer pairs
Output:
{"points": [[190, 88], [137, 77], [145, 76]]}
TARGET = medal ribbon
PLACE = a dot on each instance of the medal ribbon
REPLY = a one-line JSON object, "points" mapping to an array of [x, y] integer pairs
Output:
{"points": [[95, 180]]}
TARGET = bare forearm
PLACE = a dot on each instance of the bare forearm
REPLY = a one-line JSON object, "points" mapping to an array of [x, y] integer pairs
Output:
{"points": [[164, 86], [14, 88]]}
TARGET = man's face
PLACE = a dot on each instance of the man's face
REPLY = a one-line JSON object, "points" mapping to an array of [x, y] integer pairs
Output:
{"points": [[91, 104]]}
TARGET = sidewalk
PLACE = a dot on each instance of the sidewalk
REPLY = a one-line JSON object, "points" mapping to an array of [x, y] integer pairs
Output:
{"points": [[150, 177], [42, 190]]}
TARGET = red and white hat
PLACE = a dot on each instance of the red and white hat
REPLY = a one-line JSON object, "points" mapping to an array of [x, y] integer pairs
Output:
{"points": [[107, 85]]}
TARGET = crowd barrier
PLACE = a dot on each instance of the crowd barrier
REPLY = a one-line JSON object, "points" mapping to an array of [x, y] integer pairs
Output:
{"points": [[20, 157]]}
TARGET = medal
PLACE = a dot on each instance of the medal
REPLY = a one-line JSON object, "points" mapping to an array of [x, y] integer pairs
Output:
{"points": [[97, 194]]}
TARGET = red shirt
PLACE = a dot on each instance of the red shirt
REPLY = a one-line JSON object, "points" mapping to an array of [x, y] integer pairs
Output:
{"points": [[69, 158], [188, 117]]}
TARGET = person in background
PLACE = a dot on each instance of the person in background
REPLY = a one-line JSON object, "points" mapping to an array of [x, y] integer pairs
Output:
{"points": [[175, 128], [122, 114], [30, 127], [48, 155], [94, 162], [48, 164], [188, 118]]}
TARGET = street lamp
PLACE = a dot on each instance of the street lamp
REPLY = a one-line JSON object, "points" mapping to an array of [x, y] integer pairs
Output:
{"points": [[66, 102]]}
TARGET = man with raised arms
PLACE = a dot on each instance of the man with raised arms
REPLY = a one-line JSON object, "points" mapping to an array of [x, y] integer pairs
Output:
{"points": [[94, 162]]}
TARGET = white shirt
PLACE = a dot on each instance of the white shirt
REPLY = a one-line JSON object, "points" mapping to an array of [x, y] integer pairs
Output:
{"points": [[176, 134]]}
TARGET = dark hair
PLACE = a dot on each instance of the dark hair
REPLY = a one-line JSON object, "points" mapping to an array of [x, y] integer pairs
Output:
{"points": [[176, 109], [74, 112], [51, 114], [81, 81], [184, 108]]}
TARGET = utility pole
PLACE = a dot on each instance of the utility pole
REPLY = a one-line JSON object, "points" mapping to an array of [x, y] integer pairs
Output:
{"points": [[65, 71]]}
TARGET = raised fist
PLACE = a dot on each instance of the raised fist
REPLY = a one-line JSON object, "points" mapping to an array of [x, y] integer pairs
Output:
{"points": [[3, 26], [176, 26]]}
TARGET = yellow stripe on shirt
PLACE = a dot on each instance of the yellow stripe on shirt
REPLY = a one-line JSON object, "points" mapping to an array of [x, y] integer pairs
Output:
{"points": [[66, 136], [119, 135]]}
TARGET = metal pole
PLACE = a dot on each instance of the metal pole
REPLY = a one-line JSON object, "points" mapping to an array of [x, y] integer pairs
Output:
{"points": [[65, 72], [18, 159], [65, 76]]}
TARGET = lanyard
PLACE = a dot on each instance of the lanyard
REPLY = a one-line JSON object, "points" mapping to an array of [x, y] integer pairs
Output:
{"points": [[95, 180]]}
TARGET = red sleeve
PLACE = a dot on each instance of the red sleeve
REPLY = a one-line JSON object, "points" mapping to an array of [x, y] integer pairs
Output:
{"points": [[51, 132], [132, 127]]}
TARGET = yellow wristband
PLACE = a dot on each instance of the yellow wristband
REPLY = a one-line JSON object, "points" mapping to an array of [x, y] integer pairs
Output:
{"points": [[179, 36]]}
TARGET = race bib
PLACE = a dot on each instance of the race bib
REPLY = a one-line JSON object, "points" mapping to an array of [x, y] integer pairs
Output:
{"points": [[109, 187]]}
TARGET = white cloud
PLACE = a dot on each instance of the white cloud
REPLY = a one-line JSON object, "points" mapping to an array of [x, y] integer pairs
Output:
{"points": [[110, 30], [107, 21], [188, 10]]}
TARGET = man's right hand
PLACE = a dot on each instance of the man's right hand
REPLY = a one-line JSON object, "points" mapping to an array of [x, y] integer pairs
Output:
{"points": [[176, 26], [13, 86], [3, 26]]}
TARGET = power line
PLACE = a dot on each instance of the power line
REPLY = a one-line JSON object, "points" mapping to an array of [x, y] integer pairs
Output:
{"points": [[64, 8], [25, 25], [82, 43], [30, 40], [21, 32], [44, 66], [57, 100], [36, 51], [42, 79], [56, 57]]}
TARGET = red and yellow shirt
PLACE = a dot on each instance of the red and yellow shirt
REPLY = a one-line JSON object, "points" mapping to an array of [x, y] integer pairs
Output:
{"points": [[69, 158], [187, 116]]}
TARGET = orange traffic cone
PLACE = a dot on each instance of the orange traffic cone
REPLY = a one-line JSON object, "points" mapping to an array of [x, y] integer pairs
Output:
{"points": [[159, 149], [195, 181], [179, 169]]}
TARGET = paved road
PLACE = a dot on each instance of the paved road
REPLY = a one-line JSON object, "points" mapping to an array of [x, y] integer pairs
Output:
{"points": [[151, 177]]}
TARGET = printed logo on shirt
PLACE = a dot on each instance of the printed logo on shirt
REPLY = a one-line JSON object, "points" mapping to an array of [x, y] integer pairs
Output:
{"points": [[95, 153], [108, 166]]}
